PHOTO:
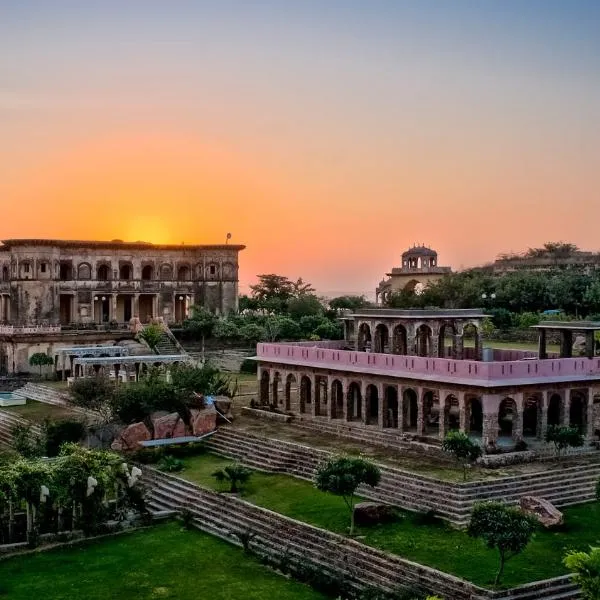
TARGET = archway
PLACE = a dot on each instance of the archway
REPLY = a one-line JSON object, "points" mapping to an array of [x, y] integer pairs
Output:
{"points": [[470, 338], [320, 395], [390, 415], [125, 272], [354, 406], [578, 411], [337, 399], [449, 414], [555, 409], [289, 382], [399, 340], [447, 334], [410, 409], [381, 339], [424, 339], [264, 387], [431, 413], [148, 273], [102, 273], [372, 405], [305, 393], [474, 416], [275, 388], [507, 413], [364, 337], [531, 417]]}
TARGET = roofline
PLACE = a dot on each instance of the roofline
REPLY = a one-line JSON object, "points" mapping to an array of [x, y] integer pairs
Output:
{"points": [[569, 325], [6, 244], [456, 313]]}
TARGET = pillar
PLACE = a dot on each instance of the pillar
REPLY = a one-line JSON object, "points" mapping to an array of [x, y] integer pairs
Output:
{"points": [[344, 400], [566, 345], [75, 316], [517, 428], [589, 425], [400, 409], [136, 305], [459, 345], [542, 351], [443, 416], [420, 412], [462, 413], [543, 418], [589, 344], [113, 307], [490, 404], [566, 408], [363, 403], [478, 345], [380, 404]]}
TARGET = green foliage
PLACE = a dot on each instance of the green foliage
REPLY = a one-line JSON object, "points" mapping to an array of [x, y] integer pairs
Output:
{"points": [[253, 333], [464, 450], [40, 359], [342, 475], [502, 527], [348, 303], [226, 329], [563, 436], [25, 442], [92, 393], [56, 433], [237, 475], [249, 366], [586, 569], [170, 464], [303, 306], [151, 334]]}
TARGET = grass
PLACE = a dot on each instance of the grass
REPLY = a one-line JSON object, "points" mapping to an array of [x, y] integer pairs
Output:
{"points": [[430, 543], [162, 562], [37, 412]]}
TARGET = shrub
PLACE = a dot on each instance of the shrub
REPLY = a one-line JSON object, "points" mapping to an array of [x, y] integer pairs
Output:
{"points": [[249, 366], [464, 450], [56, 433], [151, 334], [170, 464], [237, 475], [586, 566], [563, 436], [24, 442], [93, 393]]}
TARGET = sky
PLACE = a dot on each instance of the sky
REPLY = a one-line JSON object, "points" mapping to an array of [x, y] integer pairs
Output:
{"points": [[327, 136]]}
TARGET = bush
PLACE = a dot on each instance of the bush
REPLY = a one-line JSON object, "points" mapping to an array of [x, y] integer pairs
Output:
{"points": [[25, 443], [93, 393], [249, 366], [56, 433], [563, 436], [170, 464]]}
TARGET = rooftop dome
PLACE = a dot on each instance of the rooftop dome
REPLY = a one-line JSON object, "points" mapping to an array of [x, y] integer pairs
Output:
{"points": [[419, 251]]}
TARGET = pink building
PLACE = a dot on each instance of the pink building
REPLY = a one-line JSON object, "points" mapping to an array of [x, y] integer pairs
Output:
{"points": [[422, 373]]}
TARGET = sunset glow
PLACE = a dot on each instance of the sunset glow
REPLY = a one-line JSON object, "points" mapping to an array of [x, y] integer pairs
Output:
{"points": [[327, 137]]}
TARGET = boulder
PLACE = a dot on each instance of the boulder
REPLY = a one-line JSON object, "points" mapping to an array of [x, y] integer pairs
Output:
{"points": [[545, 512], [131, 436], [223, 405], [168, 426], [204, 421], [371, 513]]}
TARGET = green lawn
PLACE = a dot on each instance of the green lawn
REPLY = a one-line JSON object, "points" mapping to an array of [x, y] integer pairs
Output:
{"points": [[162, 562], [437, 545], [37, 412]]}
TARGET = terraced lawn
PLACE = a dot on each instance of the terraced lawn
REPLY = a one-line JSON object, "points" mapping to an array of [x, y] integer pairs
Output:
{"points": [[164, 562], [431, 543], [37, 412]]}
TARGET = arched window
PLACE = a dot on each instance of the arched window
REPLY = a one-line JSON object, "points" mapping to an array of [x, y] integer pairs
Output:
{"points": [[5, 275], [84, 271], [65, 272], [166, 272], [147, 273], [102, 273], [125, 272], [183, 273]]}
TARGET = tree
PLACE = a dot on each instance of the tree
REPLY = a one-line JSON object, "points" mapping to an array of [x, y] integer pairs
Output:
{"points": [[586, 567], [252, 333], [304, 305], [348, 303], [464, 450], [329, 330], [151, 334], [93, 393], [226, 329], [202, 323], [272, 286], [563, 436], [302, 288], [40, 359], [342, 475], [235, 474], [502, 527]]}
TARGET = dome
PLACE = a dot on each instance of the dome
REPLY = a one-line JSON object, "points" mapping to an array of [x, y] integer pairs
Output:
{"points": [[419, 251]]}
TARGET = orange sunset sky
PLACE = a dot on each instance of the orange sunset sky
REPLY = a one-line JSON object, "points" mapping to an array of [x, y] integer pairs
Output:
{"points": [[327, 137]]}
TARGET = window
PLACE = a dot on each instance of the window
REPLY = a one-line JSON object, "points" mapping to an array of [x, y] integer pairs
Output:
{"points": [[125, 272], [43, 267], [102, 273], [26, 267], [147, 273], [213, 269]]}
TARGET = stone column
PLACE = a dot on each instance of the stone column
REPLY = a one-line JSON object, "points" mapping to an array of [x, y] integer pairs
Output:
{"points": [[543, 418], [363, 403], [566, 407], [459, 345], [542, 351], [380, 407], [113, 307], [410, 340], [517, 426], [136, 305], [479, 345], [589, 426], [313, 395], [490, 405], [462, 413], [420, 412], [345, 400], [75, 317], [589, 344], [443, 394], [400, 409]]}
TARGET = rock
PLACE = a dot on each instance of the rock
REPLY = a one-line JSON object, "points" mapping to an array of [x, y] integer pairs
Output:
{"points": [[168, 426], [371, 513], [131, 436], [223, 405], [204, 421], [545, 512]]}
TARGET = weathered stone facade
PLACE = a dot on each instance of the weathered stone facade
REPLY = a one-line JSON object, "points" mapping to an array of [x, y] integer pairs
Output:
{"points": [[84, 282]]}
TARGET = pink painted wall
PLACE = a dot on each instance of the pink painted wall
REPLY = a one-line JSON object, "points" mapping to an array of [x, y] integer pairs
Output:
{"points": [[329, 358]]}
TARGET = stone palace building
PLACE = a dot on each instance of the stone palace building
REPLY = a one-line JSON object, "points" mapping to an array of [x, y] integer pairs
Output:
{"points": [[63, 282]]}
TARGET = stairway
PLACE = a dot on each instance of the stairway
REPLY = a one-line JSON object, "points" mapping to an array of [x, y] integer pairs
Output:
{"points": [[7, 421]]}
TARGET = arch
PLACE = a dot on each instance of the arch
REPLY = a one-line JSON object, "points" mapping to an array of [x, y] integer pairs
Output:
{"points": [[399, 340], [147, 272], [103, 272], [555, 410], [65, 270], [337, 399], [415, 286], [431, 412], [410, 408], [474, 415], [126, 271], [184, 273], [364, 337], [264, 387], [305, 392], [424, 338], [532, 416], [5, 273], [470, 331], [381, 338], [44, 270], [166, 271], [447, 330], [275, 388], [354, 402], [390, 406], [212, 270], [372, 405], [449, 414], [320, 395], [507, 413], [290, 381], [84, 271], [578, 411]]}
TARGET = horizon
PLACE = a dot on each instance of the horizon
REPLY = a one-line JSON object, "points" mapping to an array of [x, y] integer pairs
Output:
{"points": [[325, 138]]}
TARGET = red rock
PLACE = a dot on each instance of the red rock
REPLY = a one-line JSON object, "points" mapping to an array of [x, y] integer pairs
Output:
{"points": [[545, 512], [131, 436], [204, 421]]}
